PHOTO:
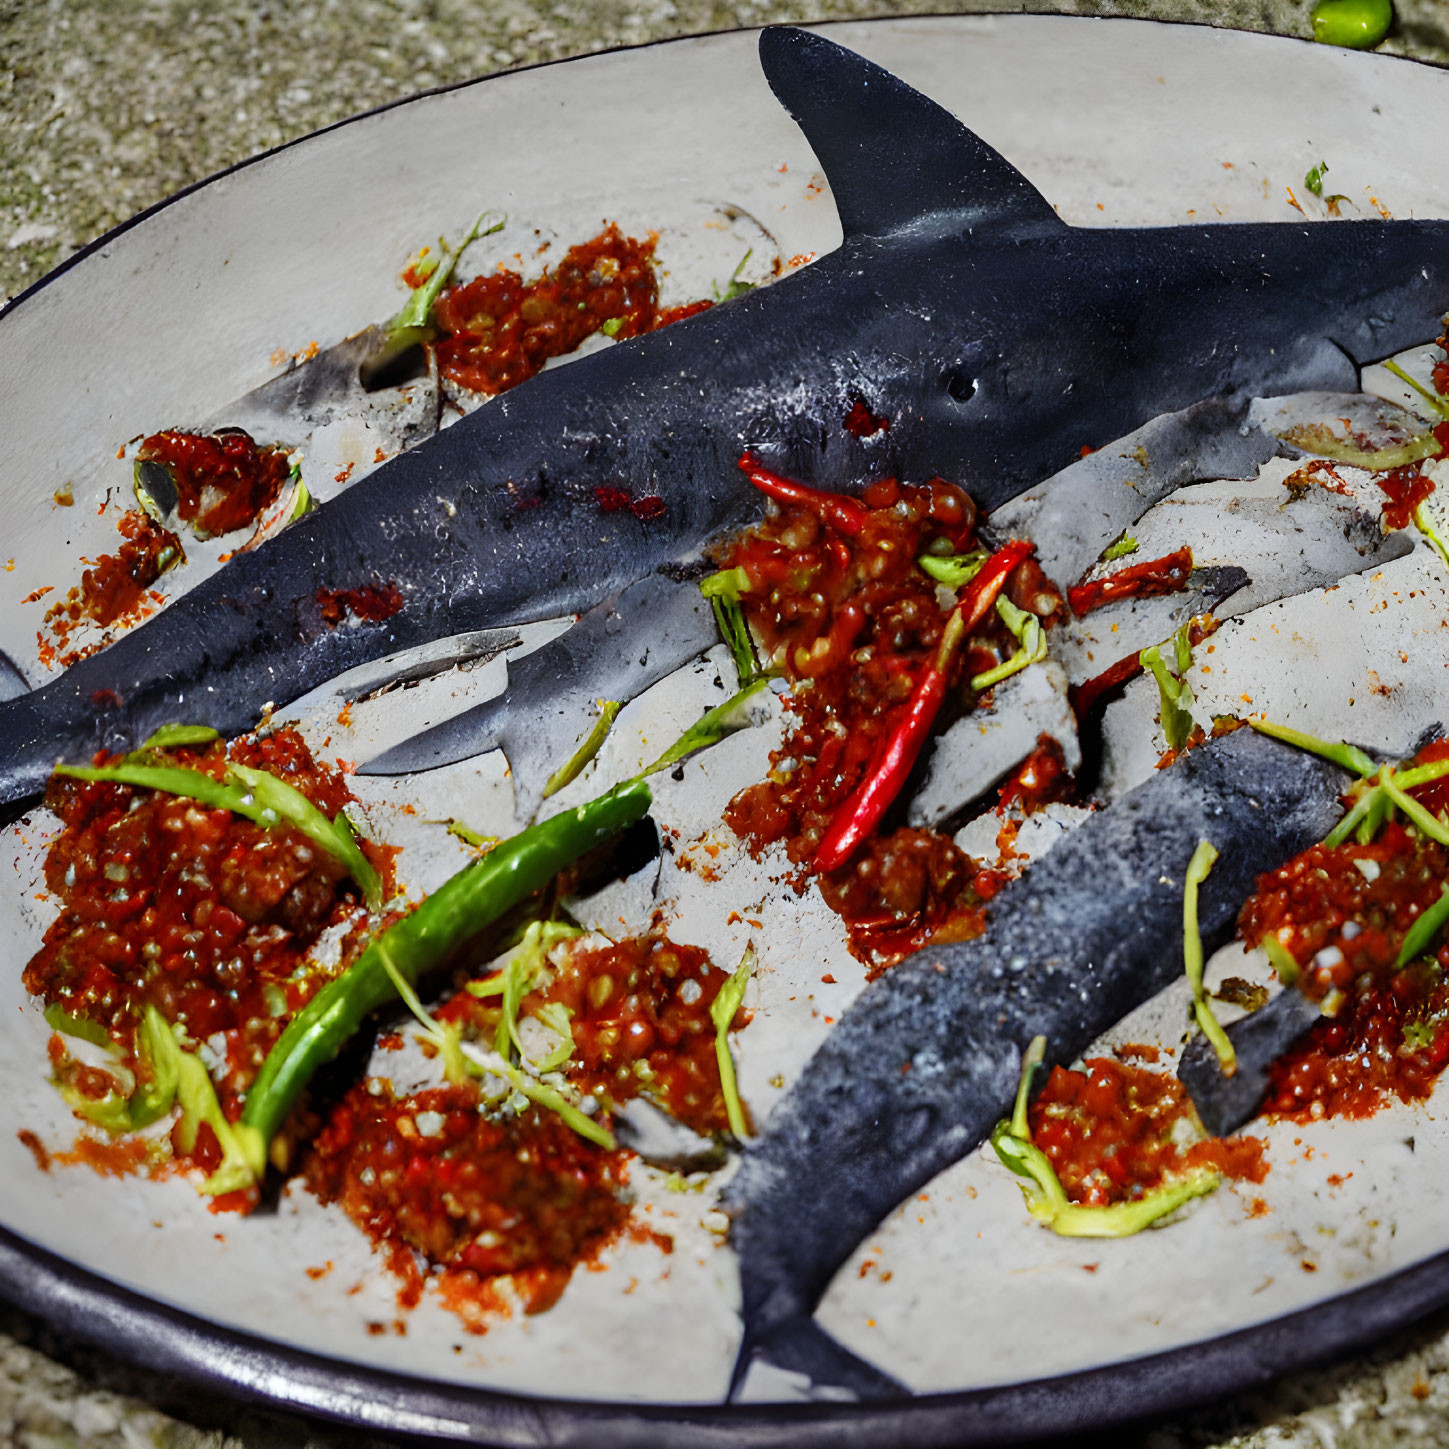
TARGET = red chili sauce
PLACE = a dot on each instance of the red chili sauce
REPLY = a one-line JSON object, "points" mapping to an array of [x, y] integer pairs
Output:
{"points": [[1166, 575], [1115, 1131], [198, 912], [113, 590], [640, 1020], [851, 621], [1343, 914], [478, 1193], [369, 604], [1406, 488], [223, 480], [475, 1195], [499, 330]]}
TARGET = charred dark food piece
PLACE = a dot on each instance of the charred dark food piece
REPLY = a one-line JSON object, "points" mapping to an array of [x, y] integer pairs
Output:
{"points": [[996, 338], [919, 1069]]}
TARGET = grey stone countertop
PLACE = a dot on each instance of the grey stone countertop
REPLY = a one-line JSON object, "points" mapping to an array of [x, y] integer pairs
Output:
{"points": [[110, 105]]}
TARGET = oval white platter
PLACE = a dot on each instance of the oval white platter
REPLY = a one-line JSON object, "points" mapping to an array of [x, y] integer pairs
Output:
{"points": [[998, 1326]]}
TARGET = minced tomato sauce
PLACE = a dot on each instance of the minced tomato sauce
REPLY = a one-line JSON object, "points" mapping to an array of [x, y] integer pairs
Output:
{"points": [[452, 1189], [1343, 912], [198, 912], [472, 1194], [499, 330], [851, 621], [223, 480], [116, 589], [1115, 1130]]}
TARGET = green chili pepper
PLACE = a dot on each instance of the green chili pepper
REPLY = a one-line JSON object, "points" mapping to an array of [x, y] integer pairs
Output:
{"points": [[462, 907], [1357, 24]]}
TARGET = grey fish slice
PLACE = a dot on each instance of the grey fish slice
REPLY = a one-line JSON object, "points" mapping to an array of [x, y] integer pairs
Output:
{"points": [[616, 651], [995, 338], [924, 1063], [1225, 1102]]}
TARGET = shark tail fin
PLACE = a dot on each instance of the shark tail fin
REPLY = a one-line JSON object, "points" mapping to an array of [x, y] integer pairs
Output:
{"points": [[800, 1346], [891, 155]]}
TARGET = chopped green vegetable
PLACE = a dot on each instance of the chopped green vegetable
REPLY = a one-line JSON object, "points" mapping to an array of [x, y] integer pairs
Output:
{"points": [[722, 1012], [1314, 179], [736, 286], [1422, 933], [574, 766], [1046, 1198], [172, 736], [1356, 24], [956, 569], [611, 326], [709, 729], [723, 591], [1346, 756], [1316, 438], [1281, 959], [1198, 869], [57, 1018], [525, 969], [1426, 820], [469, 836], [460, 1056], [1174, 692], [417, 311], [1120, 548], [1426, 523], [1030, 636], [1436, 403]]}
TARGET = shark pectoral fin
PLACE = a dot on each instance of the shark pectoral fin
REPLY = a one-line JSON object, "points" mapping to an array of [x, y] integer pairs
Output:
{"points": [[801, 1346], [891, 155], [615, 651]]}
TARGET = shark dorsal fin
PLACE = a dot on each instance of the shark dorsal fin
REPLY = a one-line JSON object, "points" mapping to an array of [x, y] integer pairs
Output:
{"points": [[891, 155]]}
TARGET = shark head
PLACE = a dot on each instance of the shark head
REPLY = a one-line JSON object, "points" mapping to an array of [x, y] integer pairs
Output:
{"points": [[1004, 342]]}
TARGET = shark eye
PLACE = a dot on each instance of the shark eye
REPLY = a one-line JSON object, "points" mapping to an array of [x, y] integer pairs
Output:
{"points": [[959, 387]]}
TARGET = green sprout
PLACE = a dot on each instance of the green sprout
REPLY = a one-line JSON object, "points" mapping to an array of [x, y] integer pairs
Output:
{"points": [[722, 1012], [1031, 641], [1174, 692], [1198, 869], [573, 767], [723, 591]]}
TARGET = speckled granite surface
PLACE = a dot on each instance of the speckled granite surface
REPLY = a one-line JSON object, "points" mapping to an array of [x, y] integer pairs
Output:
{"points": [[107, 106]]}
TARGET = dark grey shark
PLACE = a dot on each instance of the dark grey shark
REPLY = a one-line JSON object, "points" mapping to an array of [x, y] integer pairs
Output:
{"points": [[923, 1064], [995, 339]]}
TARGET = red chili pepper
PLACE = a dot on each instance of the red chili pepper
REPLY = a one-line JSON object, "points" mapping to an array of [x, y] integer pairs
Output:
{"points": [[842, 512], [893, 763]]}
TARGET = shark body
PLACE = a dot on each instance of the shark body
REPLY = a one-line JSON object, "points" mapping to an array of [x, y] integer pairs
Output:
{"points": [[996, 340]]}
